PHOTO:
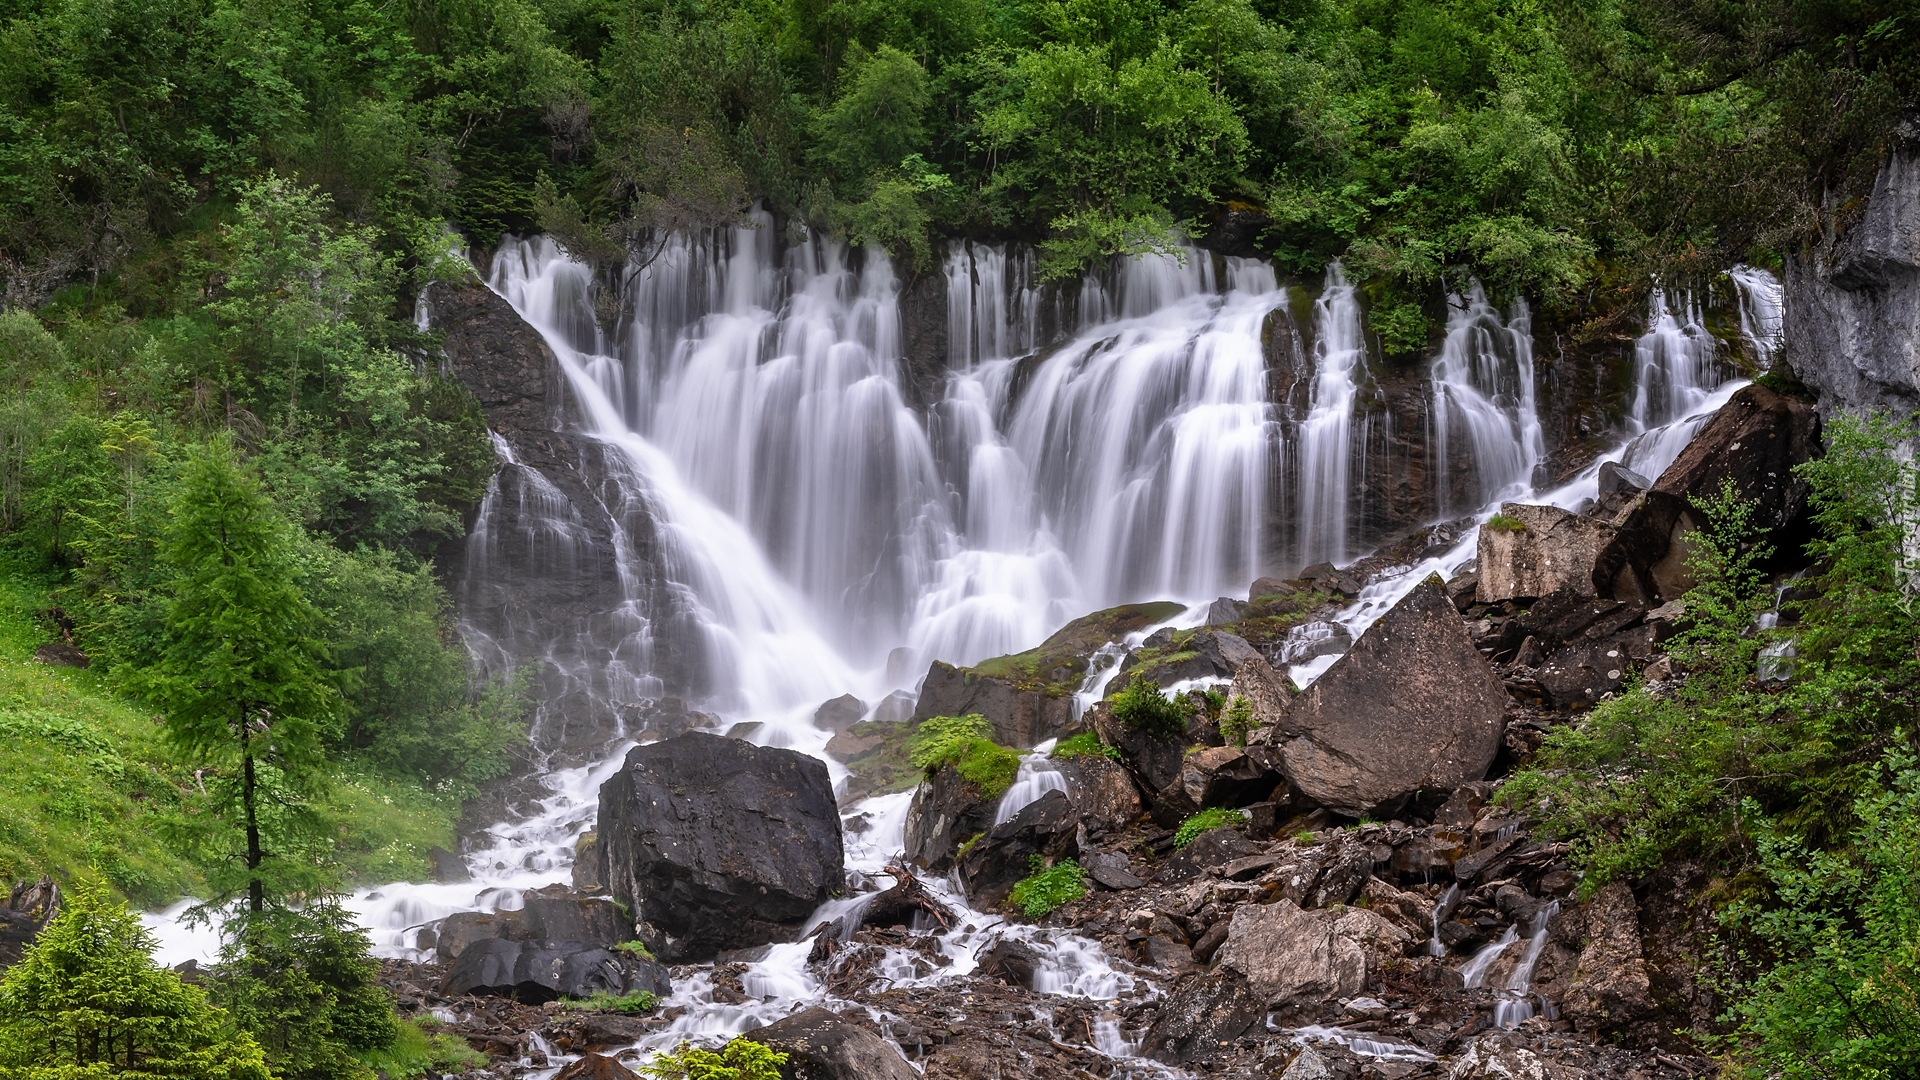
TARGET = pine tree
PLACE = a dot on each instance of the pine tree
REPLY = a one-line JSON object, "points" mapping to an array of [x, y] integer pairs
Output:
{"points": [[88, 1000], [240, 676]]}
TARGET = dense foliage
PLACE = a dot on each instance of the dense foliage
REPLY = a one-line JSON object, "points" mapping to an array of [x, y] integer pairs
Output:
{"points": [[1144, 707], [1048, 887], [1213, 817], [1784, 756], [966, 743], [739, 1059]]}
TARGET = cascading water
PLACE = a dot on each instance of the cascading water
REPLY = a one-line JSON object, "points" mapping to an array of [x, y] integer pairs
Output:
{"points": [[1675, 362], [1762, 311], [1036, 777], [1326, 435], [1483, 390]]}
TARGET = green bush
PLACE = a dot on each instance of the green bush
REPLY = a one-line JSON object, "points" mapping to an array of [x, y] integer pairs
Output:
{"points": [[1236, 721], [1208, 819], [1085, 744], [1506, 523], [966, 743], [1048, 887], [640, 1001], [740, 1059], [1143, 707]]}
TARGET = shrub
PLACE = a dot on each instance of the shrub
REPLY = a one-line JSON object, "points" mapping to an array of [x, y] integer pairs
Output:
{"points": [[1211, 818], [741, 1059], [1506, 523], [1048, 887], [636, 948], [640, 1001], [1143, 707], [1236, 721], [417, 1052], [1085, 744], [965, 742]]}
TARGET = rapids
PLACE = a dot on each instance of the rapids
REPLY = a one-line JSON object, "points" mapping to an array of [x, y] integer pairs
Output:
{"points": [[819, 525]]}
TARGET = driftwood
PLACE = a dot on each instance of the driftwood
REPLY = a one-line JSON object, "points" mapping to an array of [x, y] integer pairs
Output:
{"points": [[896, 906]]}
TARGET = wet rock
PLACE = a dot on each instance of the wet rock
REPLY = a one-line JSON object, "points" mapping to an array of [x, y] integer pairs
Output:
{"points": [[1617, 487], [1291, 958], [1224, 651], [596, 1067], [1413, 706], [1102, 791], [1311, 641], [1225, 776], [1111, 869], [1215, 847], [821, 1045], [449, 867], [61, 654], [1011, 961], [1331, 579], [1307, 1065], [716, 844], [1203, 1011], [1226, 611], [1046, 827], [1610, 990], [838, 713], [946, 812], [1754, 441], [600, 1031], [1155, 762], [589, 863], [1272, 586], [1552, 550], [537, 971]]}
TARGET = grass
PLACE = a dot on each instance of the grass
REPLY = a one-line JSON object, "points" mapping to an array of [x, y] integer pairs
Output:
{"points": [[418, 1051], [1506, 523], [1085, 744], [1206, 821], [88, 782], [1047, 887], [964, 742], [640, 1001], [636, 948]]}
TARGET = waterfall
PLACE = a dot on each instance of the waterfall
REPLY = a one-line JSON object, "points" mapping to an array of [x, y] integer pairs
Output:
{"points": [[1036, 777], [1483, 390], [1436, 947], [993, 305], [1762, 306], [1675, 366], [1326, 436], [1516, 1004]]}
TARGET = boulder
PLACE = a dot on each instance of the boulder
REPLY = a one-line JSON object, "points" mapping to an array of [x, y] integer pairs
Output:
{"points": [[1009, 960], [1272, 586], [589, 863], [1610, 989], [61, 654], [1204, 1011], [1413, 706], [27, 911], [946, 812], [1579, 673], [1153, 761], [1754, 441], [717, 844], [1110, 869], [1291, 959], [1215, 847], [1226, 611], [540, 971], [1552, 550], [1020, 717], [1046, 827], [1226, 776], [1102, 791], [596, 1067], [821, 1045], [838, 713], [1266, 689]]}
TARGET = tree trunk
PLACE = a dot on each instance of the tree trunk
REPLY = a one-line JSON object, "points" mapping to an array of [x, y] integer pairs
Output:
{"points": [[256, 894]]}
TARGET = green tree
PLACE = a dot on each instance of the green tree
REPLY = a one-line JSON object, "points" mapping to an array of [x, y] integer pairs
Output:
{"points": [[88, 1001], [302, 983], [239, 675]]}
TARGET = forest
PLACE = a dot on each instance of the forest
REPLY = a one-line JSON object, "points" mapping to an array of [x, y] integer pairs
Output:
{"points": [[217, 218]]}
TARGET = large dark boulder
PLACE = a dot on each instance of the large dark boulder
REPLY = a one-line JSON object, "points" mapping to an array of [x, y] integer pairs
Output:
{"points": [[822, 1045], [1155, 762], [718, 844], [540, 971], [554, 913], [1754, 441], [1413, 706], [1102, 791], [1046, 827], [946, 812], [1203, 1012]]}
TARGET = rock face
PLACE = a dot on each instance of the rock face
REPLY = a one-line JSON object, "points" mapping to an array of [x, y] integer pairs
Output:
{"points": [[1295, 959], [1610, 989], [821, 1045], [717, 844], [1754, 441], [1552, 550], [1413, 706], [537, 971], [946, 811], [1853, 301]]}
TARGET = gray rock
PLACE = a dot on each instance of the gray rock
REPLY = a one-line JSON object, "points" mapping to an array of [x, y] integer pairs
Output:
{"points": [[821, 1045], [1215, 847], [1852, 317], [1019, 717], [1554, 550], [1111, 869], [1412, 706], [1203, 1011], [1226, 611], [539, 971], [1307, 1065], [596, 1067], [1292, 958], [718, 844], [1047, 827], [1226, 776], [838, 713], [1011, 961], [946, 812], [1102, 791], [1611, 988]]}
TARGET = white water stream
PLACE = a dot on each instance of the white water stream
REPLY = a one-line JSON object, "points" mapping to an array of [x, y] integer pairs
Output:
{"points": [[815, 524]]}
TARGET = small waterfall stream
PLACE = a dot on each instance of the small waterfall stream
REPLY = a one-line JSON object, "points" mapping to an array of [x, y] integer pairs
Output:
{"points": [[1326, 436]]}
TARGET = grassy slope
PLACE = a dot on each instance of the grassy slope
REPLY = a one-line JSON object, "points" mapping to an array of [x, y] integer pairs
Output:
{"points": [[87, 782]]}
